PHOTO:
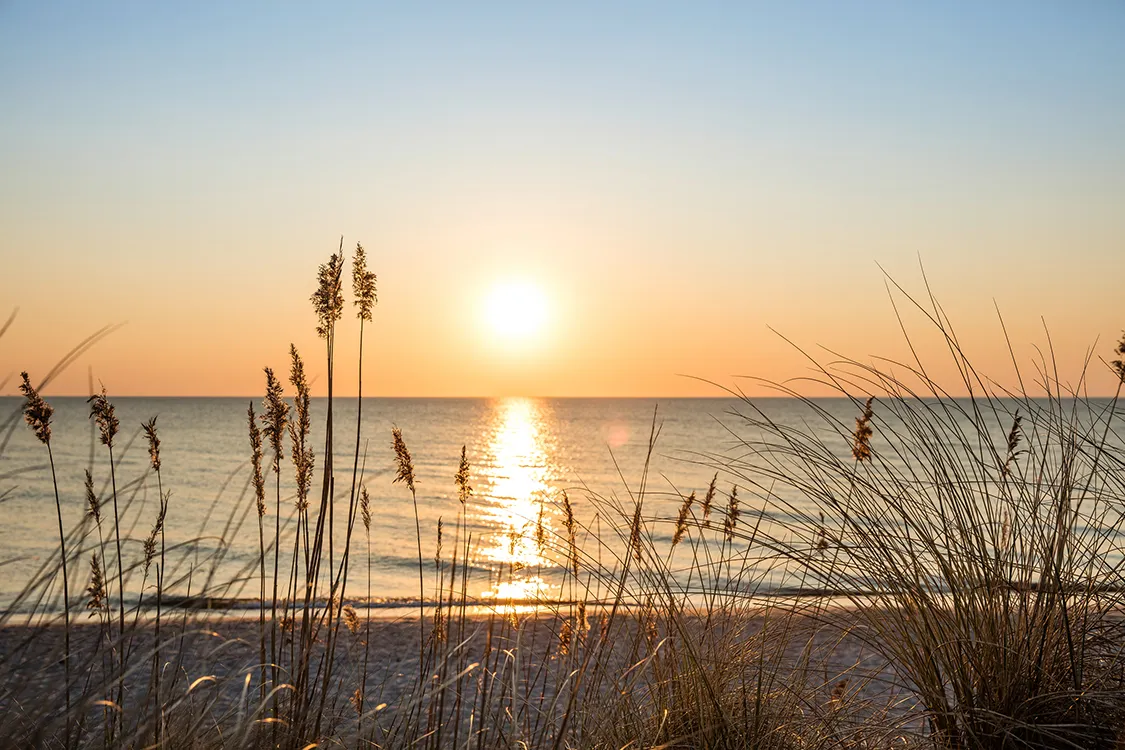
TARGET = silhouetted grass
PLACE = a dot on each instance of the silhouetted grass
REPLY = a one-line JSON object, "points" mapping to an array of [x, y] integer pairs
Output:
{"points": [[943, 573]]}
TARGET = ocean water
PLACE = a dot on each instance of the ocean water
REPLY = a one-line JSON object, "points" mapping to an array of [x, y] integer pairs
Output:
{"points": [[523, 453]]}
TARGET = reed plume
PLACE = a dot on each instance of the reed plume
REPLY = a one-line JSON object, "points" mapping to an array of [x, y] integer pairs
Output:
{"points": [[464, 491], [861, 438], [404, 464], [274, 418], [257, 478], [351, 619], [93, 507], [571, 533], [635, 533], [153, 440], [709, 497], [365, 508], [540, 531], [1013, 451], [99, 600], [103, 414], [328, 299], [356, 700], [437, 551], [363, 284], [681, 519], [731, 520], [149, 544], [38, 413], [1118, 364], [299, 428]]}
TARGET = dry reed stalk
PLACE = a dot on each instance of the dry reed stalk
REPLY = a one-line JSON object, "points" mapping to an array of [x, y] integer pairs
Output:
{"points": [[365, 510], [104, 416], [404, 472], [303, 462], [38, 413], [258, 481], [328, 304], [153, 440], [275, 417], [464, 493], [363, 287]]}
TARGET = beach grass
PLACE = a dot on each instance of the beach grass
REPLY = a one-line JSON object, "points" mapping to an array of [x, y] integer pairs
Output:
{"points": [[952, 577]]}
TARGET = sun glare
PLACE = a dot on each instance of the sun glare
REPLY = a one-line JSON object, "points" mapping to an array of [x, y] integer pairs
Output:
{"points": [[515, 310]]}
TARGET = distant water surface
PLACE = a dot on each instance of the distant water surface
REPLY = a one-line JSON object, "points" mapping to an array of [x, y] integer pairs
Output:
{"points": [[523, 454]]}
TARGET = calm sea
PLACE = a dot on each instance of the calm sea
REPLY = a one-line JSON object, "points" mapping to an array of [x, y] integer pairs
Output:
{"points": [[523, 454]]}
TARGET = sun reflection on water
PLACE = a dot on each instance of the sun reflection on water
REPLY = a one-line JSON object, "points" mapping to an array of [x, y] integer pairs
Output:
{"points": [[517, 471]]}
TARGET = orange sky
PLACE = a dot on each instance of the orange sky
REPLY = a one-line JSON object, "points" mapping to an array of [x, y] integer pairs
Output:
{"points": [[185, 175]]}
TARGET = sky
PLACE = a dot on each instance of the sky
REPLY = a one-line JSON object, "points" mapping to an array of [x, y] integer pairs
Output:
{"points": [[698, 194]]}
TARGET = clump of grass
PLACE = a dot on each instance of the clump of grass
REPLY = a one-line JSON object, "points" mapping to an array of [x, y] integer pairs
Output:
{"points": [[988, 575]]}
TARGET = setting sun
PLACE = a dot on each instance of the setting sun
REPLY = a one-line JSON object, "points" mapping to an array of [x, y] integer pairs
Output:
{"points": [[515, 310]]}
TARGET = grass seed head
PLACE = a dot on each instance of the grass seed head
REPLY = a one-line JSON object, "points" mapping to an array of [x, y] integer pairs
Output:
{"points": [[256, 460], [153, 440], [351, 619], [861, 438], [635, 534], [404, 464], [36, 411], [275, 418], [681, 520], [571, 533], [363, 284], [328, 299], [540, 531], [437, 552], [98, 599], [365, 507], [731, 520], [462, 479], [299, 428], [93, 507], [102, 412], [1118, 364], [710, 496], [1013, 442]]}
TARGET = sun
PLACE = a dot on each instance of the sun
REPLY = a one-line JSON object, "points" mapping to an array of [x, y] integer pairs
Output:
{"points": [[515, 310]]}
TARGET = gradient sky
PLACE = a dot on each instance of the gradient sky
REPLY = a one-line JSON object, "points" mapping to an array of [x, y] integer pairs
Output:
{"points": [[677, 177]]}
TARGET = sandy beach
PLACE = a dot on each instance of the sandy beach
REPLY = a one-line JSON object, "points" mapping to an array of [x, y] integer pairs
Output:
{"points": [[210, 666]]}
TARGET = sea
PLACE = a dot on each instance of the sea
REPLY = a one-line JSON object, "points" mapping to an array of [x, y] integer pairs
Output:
{"points": [[524, 454]]}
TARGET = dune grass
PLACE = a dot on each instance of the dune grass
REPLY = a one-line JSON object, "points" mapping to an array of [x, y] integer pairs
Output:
{"points": [[941, 573]]}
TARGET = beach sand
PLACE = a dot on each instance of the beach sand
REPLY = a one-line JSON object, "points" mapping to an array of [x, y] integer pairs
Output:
{"points": [[206, 660]]}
